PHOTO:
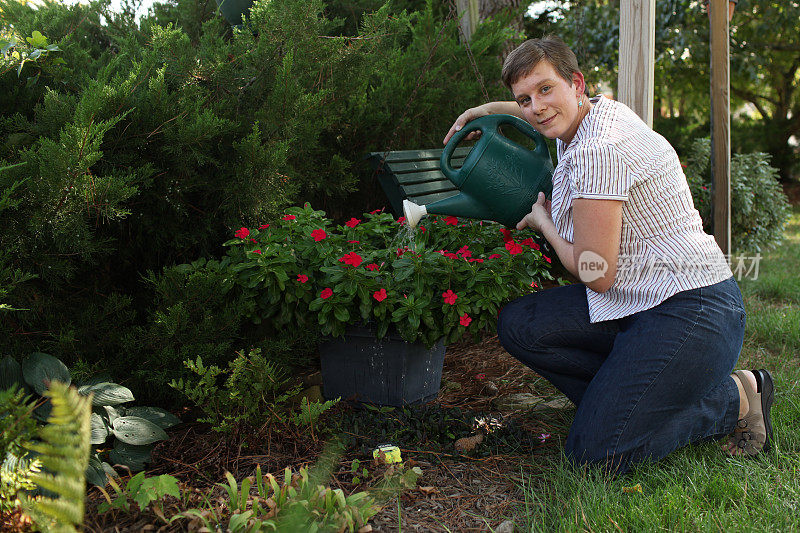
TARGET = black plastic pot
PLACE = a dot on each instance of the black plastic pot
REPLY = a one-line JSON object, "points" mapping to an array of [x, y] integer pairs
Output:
{"points": [[390, 371]]}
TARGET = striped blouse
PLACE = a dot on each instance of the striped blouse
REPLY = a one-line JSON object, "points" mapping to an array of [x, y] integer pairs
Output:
{"points": [[663, 249]]}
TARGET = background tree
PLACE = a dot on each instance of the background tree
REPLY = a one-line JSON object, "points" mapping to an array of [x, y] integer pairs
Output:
{"points": [[765, 69]]}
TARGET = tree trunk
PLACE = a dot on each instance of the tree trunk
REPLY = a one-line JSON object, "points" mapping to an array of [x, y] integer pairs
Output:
{"points": [[490, 8]]}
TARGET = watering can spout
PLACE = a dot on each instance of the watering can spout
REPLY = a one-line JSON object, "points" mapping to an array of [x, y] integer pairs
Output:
{"points": [[460, 205], [413, 212]]}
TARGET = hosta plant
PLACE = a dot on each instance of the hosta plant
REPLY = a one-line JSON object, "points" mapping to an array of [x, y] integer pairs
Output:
{"points": [[119, 434], [448, 277]]}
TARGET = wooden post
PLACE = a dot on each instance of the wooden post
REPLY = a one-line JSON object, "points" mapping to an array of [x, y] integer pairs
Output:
{"points": [[467, 16], [720, 124], [637, 34]]}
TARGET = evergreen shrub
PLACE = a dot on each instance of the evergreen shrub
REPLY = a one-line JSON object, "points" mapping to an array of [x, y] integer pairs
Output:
{"points": [[152, 140], [759, 207]]}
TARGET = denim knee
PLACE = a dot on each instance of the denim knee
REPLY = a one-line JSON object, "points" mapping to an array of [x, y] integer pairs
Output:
{"points": [[507, 326]]}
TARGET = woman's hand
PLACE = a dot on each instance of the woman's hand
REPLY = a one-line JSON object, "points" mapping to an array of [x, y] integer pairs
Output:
{"points": [[491, 108], [539, 216], [462, 120]]}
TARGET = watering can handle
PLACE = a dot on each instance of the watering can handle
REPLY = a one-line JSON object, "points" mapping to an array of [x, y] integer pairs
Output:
{"points": [[487, 124]]}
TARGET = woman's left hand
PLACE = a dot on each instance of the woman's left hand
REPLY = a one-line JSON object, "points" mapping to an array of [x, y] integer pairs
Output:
{"points": [[539, 215]]}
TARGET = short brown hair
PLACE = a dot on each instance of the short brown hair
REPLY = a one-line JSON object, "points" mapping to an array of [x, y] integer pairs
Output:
{"points": [[526, 56]]}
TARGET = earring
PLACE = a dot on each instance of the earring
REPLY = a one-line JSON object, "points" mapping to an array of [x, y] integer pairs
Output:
{"points": [[580, 103]]}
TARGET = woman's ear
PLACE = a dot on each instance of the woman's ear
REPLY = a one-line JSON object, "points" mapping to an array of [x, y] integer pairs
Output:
{"points": [[579, 83]]}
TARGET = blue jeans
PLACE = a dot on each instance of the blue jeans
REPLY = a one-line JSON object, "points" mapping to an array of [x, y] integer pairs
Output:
{"points": [[644, 385]]}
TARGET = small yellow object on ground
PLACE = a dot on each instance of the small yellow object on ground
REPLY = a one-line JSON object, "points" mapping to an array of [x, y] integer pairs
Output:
{"points": [[388, 453], [635, 488]]}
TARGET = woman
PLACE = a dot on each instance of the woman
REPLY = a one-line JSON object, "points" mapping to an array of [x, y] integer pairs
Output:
{"points": [[645, 346]]}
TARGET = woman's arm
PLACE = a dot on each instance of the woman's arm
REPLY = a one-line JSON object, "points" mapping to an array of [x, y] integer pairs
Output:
{"points": [[492, 108], [593, 256]]}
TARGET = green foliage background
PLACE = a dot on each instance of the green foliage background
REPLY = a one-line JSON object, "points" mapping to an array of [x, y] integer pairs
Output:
{"points": [[149, 140], [764, 61]]}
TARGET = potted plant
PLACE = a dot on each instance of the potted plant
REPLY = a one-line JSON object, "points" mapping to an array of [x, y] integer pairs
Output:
{"points": [[422, 288]]}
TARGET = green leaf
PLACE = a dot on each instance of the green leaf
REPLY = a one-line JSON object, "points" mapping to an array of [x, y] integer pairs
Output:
{"points": [[239, 520], [39, 369], [341, 314], [7, 45], [95, 474], [131, 456], [136, 430], [37, 40], [113, 412], [156, 415], [155, 488], [107, 393], [99, 429]]}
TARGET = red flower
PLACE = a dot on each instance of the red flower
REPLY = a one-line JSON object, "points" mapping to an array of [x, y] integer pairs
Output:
{"points": [[263, 226], [326, 293], [534, 284], [289, 217], [379, 295], [376, 211], [534, 246], [318, 234], [242, 233], [401, 220], [253, 241], [547, 259], [422, 228], [480, 377], [372, 266], [352, 223], [354, 242], [464, 252], [352, 259], [527, 242], [256, 251], [451, 255], [513, 248], [302, 278], [475, 260], [451, 221], [449, 297], [465, 320], [506, 235], [494, 256]]}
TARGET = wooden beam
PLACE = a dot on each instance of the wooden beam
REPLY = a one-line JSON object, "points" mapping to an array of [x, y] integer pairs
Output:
{"points": [[720, 124], [637, 33]]}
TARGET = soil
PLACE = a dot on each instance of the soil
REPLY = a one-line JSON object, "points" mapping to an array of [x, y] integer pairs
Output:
{"points": [[460, 489]]}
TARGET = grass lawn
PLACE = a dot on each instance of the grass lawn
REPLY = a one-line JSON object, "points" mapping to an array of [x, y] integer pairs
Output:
{"points": [[699, 488]]}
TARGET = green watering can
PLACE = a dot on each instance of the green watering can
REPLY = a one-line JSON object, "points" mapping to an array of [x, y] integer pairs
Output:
{"points": [[499, 180]]}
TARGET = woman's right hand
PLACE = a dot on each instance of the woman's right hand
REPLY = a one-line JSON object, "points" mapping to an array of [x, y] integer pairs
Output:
{"points": [[462, 120]]}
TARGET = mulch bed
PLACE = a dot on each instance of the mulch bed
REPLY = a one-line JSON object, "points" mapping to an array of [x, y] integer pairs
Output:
{"points": [[473, 494], [459, 490]]}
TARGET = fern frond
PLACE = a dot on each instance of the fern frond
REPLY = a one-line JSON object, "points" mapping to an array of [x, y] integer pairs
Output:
{"points": [[64, 453]]}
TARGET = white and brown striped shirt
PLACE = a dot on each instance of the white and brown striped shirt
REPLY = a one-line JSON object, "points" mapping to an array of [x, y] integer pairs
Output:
{"points": [[663, 249]]}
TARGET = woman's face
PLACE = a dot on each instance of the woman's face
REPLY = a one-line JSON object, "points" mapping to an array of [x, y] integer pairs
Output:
{"points": [[549, 102]]}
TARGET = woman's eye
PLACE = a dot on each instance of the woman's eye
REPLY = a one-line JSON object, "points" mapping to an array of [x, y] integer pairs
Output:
{"points": [[546, 88]]}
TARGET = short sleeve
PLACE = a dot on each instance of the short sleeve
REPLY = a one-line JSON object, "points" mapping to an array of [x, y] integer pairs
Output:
{"points": [[600, 173]]}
